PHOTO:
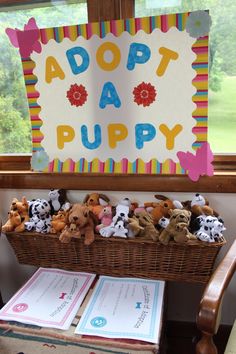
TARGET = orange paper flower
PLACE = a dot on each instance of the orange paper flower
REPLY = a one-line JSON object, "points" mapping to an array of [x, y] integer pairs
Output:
{"points": [[77, 95], [144, 94]]}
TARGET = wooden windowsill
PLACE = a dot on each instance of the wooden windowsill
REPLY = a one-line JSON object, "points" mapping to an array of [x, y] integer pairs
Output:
{"points": [[15, 174], [221, 182]]}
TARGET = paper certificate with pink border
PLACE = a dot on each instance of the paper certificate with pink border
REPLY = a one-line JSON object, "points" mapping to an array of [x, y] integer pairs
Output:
{"points": [[51, 298]]}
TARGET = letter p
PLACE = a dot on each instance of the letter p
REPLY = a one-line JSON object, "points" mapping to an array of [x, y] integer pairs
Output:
{"points": [[139, 53], [144, 132], [65, 134], [116, 132]]}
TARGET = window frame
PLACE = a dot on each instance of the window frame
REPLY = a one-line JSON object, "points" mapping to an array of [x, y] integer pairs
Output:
{"points": [[16, 171]]}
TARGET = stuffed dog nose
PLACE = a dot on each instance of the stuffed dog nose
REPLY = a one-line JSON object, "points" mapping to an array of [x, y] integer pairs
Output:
{"points": [[75, 218]]}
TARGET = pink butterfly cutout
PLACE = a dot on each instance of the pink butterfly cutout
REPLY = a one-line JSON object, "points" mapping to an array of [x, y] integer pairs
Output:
{"points": [[199, 164], [27, 40]]}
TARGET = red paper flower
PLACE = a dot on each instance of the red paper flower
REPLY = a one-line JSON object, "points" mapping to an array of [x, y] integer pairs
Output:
{"points": [[77, 95], [144, 94]]}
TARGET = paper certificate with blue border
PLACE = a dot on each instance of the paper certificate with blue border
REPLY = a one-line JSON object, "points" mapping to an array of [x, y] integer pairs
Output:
{"points": [[124, 308]]}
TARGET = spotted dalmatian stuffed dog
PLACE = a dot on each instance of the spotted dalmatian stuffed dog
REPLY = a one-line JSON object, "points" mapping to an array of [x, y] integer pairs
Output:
{"points": [[210, 229], [40, 218]]}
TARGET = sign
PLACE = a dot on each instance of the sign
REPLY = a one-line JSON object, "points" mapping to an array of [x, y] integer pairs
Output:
{"points": [[122, 96]]}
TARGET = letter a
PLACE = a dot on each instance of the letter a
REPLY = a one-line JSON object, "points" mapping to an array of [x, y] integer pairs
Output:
{"points": [[53, 70], [109, 96]]}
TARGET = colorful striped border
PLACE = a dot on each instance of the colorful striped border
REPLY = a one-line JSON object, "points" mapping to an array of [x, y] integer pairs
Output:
{"points": [[133, 25]]}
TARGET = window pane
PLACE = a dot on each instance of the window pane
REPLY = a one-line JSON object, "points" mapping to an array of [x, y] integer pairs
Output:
{"points": [[222, 63], [15, 128]]}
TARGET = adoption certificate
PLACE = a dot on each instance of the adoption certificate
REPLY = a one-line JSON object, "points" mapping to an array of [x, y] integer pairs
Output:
{"points": [[124, 308], [50, 298]]}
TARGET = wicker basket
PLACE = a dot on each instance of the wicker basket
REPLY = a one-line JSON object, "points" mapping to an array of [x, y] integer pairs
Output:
{"points": [[189, 262]]}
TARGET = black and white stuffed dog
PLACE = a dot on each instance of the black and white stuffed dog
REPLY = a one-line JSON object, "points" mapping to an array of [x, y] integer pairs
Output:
{"points": [[40, 216], [118, 227], [209, 228], [58, 200]]}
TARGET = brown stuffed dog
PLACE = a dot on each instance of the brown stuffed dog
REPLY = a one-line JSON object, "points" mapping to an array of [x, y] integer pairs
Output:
{"points": [[81, 221], [13, 222], [177, 228], [58, 222], [161, 208], [145, 220], [96, 202], [23, 209]]}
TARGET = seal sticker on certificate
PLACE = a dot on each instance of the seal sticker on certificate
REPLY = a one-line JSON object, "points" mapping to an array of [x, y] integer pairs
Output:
{"points": [[124, 308], [51, 298]]}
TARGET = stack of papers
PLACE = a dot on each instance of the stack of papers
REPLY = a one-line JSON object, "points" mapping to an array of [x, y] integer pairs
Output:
{"points": [[118, 307]]}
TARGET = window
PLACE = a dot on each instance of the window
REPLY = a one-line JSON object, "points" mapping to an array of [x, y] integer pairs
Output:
{"points": [[114, 9], [222, 63], [15, 128]]}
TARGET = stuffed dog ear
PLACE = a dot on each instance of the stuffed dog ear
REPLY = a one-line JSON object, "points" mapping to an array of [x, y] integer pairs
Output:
{"points": [[86, 212], [93, 217], [103, 199], [24, 201], [160, 197], [86, 199], [67, 214]]}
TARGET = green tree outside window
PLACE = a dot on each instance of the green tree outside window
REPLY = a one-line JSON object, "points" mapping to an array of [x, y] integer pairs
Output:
{"points": [[15, 128]]}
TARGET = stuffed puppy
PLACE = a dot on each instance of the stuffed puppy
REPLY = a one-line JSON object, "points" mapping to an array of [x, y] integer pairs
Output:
{"points": [[161, 209], [177, 228], [134, 227], [40, 216], [96, 202], [105, 217], [13, 222], [58, 200], [120, 228], [22, 207], [210, 228], [58, 222], [145, 220], [121, 212], [199, 205], [81, 221]]}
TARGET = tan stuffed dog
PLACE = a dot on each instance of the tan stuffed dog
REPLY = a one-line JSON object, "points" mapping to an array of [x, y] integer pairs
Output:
{"points": [[96, 202], [80, 222], [146, 221], [177, 227], [23, 209], [58, 221], [13, 222]]}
